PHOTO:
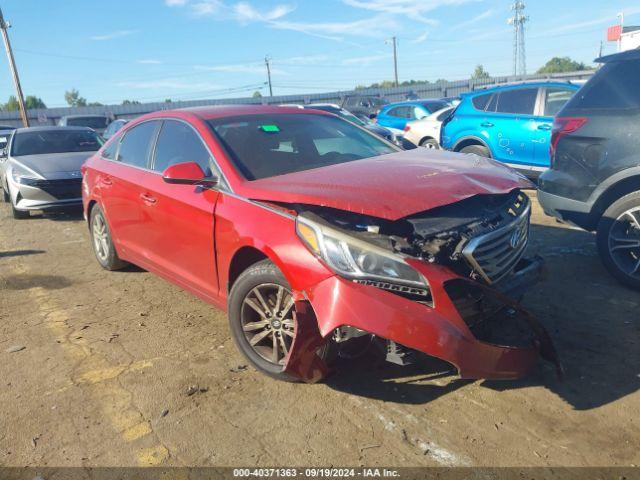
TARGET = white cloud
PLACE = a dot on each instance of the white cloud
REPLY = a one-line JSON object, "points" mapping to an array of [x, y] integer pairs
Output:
{"points": [[175, 3], [244, 12], [420, 39], [478, 18], [365, 61], [414, 9], [113, 35], [367, 27], [206, 7], [169, 85], [251, 68], [308, 60], [149, 61]]}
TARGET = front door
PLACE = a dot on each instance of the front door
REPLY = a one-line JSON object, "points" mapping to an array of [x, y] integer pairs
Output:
{"points": [[180, 228]]}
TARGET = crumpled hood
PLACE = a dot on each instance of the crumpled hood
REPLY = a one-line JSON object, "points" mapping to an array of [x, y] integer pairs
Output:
{"points": [[53, 166], [390, 186]]}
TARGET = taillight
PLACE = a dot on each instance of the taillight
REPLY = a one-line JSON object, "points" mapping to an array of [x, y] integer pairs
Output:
{"points": [[563, 126], [407, 128]]}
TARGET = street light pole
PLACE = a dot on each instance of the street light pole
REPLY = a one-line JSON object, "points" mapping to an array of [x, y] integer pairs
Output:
{"points": [[395, 59], [14, 71]]}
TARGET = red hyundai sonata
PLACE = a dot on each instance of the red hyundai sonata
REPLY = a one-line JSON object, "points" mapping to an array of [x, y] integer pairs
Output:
{"points": [[319, 238]]}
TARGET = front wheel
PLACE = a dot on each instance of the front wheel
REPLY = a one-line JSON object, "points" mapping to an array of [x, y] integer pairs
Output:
{"points": [[477, 149], [19, 214], [618, 239], [102, 242], [5, 196], [262, 318]]}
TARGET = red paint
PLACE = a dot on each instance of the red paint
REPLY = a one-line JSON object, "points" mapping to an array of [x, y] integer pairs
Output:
{"points": [[188, 172], [190, 235]]}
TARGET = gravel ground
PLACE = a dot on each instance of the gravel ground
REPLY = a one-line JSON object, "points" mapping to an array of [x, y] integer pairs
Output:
{"points": [[123, 369]]}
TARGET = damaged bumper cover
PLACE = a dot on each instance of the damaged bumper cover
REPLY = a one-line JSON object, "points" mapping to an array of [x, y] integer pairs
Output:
{"points": [[452, 328]]}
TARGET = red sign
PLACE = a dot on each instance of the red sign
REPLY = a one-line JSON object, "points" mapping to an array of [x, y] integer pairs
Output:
{"points": [[614, 32]]}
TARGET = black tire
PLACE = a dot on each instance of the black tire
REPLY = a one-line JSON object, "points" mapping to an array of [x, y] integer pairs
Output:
{"points": [[5, 196], [609, 225], [430, 143], [105, 254], [265, 275], [477, 149]]}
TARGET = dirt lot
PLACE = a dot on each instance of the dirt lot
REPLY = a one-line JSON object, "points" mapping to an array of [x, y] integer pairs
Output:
{"points": [[109, 359]]}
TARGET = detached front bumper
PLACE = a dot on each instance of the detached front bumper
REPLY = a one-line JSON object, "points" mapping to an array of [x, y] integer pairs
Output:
{"points": [[442, 330]]}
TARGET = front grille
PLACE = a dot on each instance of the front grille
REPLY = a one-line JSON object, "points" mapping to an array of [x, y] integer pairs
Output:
{"points": [[61, 189], [493, 255]]}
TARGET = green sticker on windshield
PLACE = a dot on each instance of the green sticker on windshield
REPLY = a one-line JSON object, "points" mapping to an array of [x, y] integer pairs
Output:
{"points": [[269, 128]]}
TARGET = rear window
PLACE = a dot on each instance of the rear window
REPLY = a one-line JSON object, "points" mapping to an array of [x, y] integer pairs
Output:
{"points": [[54, 141], [91, 122], [434, 106], [614, 86], [268, 145]]}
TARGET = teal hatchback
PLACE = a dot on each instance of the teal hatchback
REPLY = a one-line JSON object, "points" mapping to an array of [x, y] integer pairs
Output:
{"points": [[510, 123]]}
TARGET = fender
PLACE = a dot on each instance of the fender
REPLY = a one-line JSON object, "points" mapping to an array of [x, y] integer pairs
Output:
{"points": [[480, 140], [612, 181]]}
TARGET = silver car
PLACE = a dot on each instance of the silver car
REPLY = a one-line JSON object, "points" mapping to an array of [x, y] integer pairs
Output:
{"points": [[40, 167]]}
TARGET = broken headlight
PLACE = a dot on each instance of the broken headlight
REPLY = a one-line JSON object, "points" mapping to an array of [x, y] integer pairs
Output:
{"points": [[355, 259]]}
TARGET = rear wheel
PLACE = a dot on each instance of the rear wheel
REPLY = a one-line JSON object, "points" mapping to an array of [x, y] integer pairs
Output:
{"points": [[476, 149], [430, 143], [102, 242], [618, 239]]}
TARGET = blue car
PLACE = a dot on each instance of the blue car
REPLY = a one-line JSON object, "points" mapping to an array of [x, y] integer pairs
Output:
{"points": [[395, 116], [510, 123]]}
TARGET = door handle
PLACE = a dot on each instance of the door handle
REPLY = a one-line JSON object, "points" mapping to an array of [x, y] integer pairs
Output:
{"points": [[544, 126], [148, 198], [486, 124], [107, 181]]}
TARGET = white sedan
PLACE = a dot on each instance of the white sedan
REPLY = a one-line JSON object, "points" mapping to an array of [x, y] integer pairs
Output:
{"points": [[426, 131]]}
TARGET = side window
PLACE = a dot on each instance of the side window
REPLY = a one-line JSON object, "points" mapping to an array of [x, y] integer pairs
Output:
{"points": [[110, 151], [519, 102], [395, 112], [178, 143], [480, 102], [444, 115], [134, 149], [554, 100], [614, 86]]}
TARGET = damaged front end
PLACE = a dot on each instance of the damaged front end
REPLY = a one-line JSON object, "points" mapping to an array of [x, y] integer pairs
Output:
{"points": [[445, 282]]}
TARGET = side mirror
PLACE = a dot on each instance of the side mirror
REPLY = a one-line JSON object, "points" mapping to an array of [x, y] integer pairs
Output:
{"points": [[188, 173]]}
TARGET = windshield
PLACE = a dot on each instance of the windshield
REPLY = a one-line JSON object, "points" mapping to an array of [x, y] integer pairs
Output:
{"points": [[341, 112], [264, 146], [91, 122], [54, 141]]}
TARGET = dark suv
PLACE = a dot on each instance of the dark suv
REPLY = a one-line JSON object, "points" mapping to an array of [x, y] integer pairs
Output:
{"points": [[594, 180]]}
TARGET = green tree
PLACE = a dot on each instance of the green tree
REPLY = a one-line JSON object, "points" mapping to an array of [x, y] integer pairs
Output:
{"points": [[12, 104], [168, 100], [74, 99], [562, 64], [257, 94], [95, 104], [31, 101], [480, 73]]}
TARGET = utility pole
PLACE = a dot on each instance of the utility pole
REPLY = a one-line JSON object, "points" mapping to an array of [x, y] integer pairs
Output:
{"points": [[395, 59], [12, 65], [621, 17], [266, 62], [518, 20]]}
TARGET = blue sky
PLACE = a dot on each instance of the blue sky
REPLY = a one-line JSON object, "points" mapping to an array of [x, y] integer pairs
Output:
{"points": [[149, 50]]}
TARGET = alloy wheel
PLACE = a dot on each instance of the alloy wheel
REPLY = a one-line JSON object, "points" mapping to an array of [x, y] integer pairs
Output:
{"points": [[624, 242], [100, 237], [268, 321]]}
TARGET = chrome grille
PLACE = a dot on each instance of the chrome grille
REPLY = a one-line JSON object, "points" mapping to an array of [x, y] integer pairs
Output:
{"points": [[493, 255]]}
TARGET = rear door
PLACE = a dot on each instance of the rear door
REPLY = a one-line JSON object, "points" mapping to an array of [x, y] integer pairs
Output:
{"points": [[511, 125], [120, 185], [179, 231], [551, 101]]}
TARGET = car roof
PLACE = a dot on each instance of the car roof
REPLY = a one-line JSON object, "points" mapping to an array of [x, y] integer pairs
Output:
{"points": [[507, 86], [50, 129], [224, 111], [620, 56], [93, 115]]}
